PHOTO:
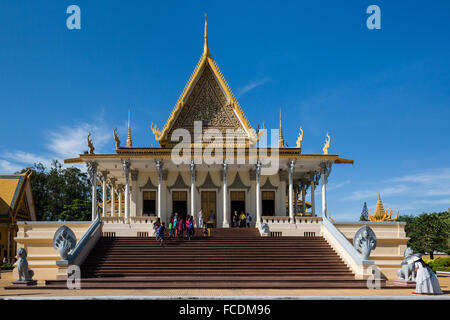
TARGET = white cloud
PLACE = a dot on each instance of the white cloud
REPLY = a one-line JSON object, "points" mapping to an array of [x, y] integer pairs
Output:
{"points": [[7, 167], [367, 194], [334, 186], [252, 85], [428, 178], [424, 191], [66, 142], [27, 158], [61, 143]]}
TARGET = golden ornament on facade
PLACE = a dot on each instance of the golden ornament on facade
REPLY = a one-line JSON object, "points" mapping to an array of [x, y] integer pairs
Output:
{"points": [[300, 138], [156, 132], [116, 138], [327, 144], [380, 214], [90, 145]]}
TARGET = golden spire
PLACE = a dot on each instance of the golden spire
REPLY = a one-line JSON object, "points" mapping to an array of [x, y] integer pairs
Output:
{"points": [[280, 138], [205, 45], [380, 214], [129, 141]]}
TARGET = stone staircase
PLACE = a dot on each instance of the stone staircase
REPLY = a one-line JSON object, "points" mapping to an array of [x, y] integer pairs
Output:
{"points": [[230, 258]]}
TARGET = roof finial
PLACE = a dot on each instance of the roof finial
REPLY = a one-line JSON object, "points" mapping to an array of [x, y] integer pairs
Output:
{"points": [[280, 138], [205, 45], [129, 141]]}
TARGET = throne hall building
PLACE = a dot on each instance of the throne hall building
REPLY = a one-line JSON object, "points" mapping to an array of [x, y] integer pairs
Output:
{"points": [[211, 160], [137, 182]]}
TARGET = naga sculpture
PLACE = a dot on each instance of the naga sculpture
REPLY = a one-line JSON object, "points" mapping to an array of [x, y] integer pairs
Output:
{"points": [[265, 228], [25, 274], [407, 272], [365, 241], [64, 240], [90, 145], [327, 144]]}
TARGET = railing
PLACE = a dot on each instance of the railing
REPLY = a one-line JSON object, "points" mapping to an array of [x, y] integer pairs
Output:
{"points": [[115, 219], [121, 219], [143, 219], [285, 220], [275, 219], [307, 219], [88, 240], [345, 249]]}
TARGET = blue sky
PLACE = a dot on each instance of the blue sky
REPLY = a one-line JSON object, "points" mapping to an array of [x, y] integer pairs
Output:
{"points": [[382, 94]]}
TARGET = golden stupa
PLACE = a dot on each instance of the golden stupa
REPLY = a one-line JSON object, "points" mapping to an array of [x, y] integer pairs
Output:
{"points": [[380, 214]]}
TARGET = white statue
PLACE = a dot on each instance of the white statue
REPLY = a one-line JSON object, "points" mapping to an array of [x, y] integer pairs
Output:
{"points": [[25, 274]]}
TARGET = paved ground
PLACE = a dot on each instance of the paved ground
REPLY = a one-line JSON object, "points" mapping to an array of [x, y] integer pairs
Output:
{"points": [[6, 280]]}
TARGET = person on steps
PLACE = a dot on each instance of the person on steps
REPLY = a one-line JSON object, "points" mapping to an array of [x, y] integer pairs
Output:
{"points": [[161, 230], [175, 225], [249, 219], [242, 219], [156, 225], [191, 227]]}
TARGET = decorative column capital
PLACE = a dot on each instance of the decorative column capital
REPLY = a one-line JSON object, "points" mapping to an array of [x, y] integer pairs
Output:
{"points": [[325, 169], [159, 168], [224, 172], [126, 169], [104, 174], [126, 165], [291, 166], [193, 171], [112, 182], [92, 169]]}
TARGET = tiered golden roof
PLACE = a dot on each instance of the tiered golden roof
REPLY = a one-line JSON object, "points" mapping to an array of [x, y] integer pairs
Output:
{"points": [[380, 214]]}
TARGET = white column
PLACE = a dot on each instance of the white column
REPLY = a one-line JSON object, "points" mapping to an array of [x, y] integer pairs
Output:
{"points": [[104, 193], [291, 190], [325, 172], [113, 199], [303, 198], [133, 192], [258, 193], [295, 201], [225, 223], [119, 194], [126, 169], [193, 189], [92, 171], [159, 166], [112, 192], [313, 200]]}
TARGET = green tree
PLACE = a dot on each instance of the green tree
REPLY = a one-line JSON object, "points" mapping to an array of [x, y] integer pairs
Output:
{"points": [[364, 213], [78, 210], [58, 187], [429, 232]]}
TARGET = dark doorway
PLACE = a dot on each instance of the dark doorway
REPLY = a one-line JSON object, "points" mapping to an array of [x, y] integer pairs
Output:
{"points": [[209, 205], [179, 203], [268, 203], [149, 205], [237, 203]]}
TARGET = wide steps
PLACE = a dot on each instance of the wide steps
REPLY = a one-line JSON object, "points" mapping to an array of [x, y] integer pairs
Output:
{"points": [[235, 258]]}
